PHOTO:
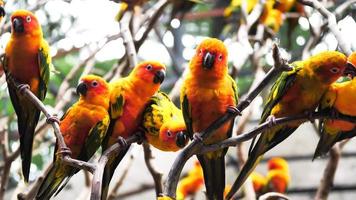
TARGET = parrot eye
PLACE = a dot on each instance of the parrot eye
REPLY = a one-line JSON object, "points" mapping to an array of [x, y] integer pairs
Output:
{"points": [[334, 70], [94, 83], [149, 67], [169, 134], [220, 57], [28, 19], [201, 52]]}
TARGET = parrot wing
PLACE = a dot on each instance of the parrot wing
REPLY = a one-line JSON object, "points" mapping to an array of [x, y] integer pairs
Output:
{"points": [[327, 137], [187, 113], [44, 62]]}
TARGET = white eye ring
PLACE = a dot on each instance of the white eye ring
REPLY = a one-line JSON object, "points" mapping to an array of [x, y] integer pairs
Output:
{"points": [[149, 67], [200, 51], [28, 19], [220, 57], [169, 134], [335, 70], [94, 83]]}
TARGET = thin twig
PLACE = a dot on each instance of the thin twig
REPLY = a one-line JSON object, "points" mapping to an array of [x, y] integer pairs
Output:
{"points": [[273, 195], [128, 40], [332, 23], [173, 176], [157, 177], [329, 174], [113, 150]]}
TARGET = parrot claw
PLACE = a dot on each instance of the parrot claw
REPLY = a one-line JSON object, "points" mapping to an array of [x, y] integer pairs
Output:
{"points": [[197, 137], [233, 110], [65, 151], [52, 119], [310, 116], [141, 135], [271, 121], [22, 88], [122, 142]]}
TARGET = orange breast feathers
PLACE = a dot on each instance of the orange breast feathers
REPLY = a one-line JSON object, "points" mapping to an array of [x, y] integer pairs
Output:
{"points": [[23, 62], [76, 126], [209, 104]]}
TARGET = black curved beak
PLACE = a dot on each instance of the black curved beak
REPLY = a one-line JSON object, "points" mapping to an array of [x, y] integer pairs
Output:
{"points": [[2, 11], [350, 70], [17, 24], [159, 76], [181, 139], [82, 89], [208, 61]]}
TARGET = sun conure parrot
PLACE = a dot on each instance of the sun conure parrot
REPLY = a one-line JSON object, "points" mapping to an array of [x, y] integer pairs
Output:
{"points": [[192, 183], [164, 124], [340, 97], [128, 99], [207, 93], [258, 182], [295, 92], [83, 127], [278, 176], [27, 60]]}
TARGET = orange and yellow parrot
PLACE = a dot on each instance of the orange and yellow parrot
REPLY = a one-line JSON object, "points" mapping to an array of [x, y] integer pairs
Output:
{"points": [[207, 93], [259, 182], [164, 124], [340, 97], [27, 60], [295, 92], [278, 176], [83, 127], [128, 99], [192, 183]]}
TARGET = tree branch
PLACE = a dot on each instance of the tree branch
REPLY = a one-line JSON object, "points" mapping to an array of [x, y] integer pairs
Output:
{"points": [[332, 23], [113, 150], [157, 177]]}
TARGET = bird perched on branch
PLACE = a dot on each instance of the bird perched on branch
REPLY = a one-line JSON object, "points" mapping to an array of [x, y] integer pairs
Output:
{"points": [[295, 92], [128, 99], [164, 124], [208, 92], [339, 98], [27, 60], [83, 127]]}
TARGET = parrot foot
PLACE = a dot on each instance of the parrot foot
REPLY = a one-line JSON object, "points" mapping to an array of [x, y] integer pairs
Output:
{"points": [[22, 88], [141, 135], [310, 116], [233, 110], [52, 119], [271, 121], [65, 151], [197, 137], [122, 142], [334, 113]]}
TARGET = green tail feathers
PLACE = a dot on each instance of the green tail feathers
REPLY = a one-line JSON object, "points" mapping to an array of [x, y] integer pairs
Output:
{"points": [[214, 176], [326, 142], [109, 172], [54, 182], [246, 170]]}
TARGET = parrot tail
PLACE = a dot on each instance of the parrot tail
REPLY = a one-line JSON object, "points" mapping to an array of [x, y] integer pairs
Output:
{"points": [[57, 177], [109, 172], [326, 142], [214, 176], [251, 163]]}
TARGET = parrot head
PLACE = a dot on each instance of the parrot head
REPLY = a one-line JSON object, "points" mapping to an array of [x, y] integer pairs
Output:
{"points": [[258, 181], [351, 65], [25, 23], [210, 59], [151, 72], [93, 89], [328, 66], [278, 163], [174, 132], [277, 181]]}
